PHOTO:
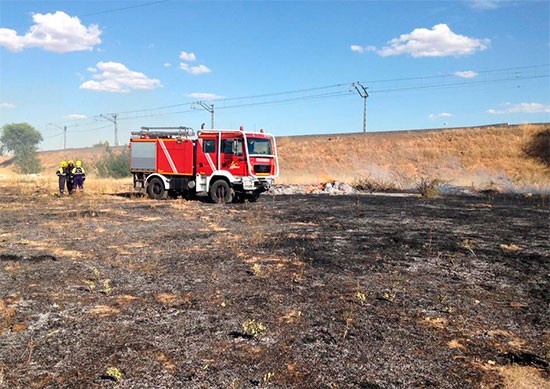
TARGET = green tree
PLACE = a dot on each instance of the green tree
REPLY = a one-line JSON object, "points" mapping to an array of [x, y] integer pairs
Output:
{"points": [[22, 139]]}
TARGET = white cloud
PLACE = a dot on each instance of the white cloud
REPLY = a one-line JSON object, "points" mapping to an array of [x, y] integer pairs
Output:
{"points": [[521, 108], [116, 77], [362, 49], [92, 69], [188, 56], [433, 116], [205, 96], [7, 106], [484, 4], [196, 70], [167, 64], [75, 116], [466, 74], [440, 41], [56, 32]]}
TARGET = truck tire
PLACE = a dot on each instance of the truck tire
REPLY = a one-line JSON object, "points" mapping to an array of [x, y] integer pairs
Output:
{"points": [[220, 192], [155, 189]]}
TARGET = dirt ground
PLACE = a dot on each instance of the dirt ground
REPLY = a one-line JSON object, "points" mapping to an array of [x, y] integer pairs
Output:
{"points": [[318, 291]]}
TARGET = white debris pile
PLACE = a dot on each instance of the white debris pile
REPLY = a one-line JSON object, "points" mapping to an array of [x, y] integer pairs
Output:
{"points": [[330, 188], [287, 189]]}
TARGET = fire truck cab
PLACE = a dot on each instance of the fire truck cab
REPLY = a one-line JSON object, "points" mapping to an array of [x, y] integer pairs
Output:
{"points": [[227, 165]]}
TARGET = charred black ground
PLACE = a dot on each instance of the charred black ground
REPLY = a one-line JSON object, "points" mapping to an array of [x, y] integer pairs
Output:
{"points": [[360, 291]]}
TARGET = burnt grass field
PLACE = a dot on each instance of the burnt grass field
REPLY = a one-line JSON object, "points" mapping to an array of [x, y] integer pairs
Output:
{"points": [[359, 291]]}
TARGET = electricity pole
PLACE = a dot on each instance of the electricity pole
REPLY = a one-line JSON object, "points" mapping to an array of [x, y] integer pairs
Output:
{"points": [[112, 117], [364, 94], [64, 134], [209, 108]]}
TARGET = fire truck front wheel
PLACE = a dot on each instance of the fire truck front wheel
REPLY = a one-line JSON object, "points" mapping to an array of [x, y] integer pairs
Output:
{"points": [[221, 192], [156, 189]]}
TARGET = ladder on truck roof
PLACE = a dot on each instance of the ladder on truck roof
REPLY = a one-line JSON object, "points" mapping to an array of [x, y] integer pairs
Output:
{"points": [[164, 132]]}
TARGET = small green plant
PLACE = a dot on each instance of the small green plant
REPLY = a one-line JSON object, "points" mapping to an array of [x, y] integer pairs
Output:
{"points": [[107, 287], [389, 296], [349, 318], [257, 269], [114, 373], [359, 295], [468, 245], [254, 328], [90, 285], [267, 377], [428, 187]]}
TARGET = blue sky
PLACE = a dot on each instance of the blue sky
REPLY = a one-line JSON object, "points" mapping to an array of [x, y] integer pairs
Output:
{"points": [[286, 66]]}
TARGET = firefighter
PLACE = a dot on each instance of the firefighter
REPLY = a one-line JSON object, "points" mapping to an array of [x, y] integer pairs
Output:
{"points": [[62, 174], [79, 176], [70, 178]]}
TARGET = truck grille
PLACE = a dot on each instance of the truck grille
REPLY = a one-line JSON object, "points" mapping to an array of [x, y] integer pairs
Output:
{"points": [[262, 169]]}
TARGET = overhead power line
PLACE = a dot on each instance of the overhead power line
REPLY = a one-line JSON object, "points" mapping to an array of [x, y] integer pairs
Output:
{"points": [[328, 92], [107, 11], [125, 8], [455, 84]]}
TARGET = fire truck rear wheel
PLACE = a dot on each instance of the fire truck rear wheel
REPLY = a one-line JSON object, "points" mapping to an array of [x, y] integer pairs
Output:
{"points": [[156, 190], [220, 192]]}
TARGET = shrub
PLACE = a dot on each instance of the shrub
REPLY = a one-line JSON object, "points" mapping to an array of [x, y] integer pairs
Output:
{"points": [[104, 144], [114, 164], [538, 147], [428, 187], [372, 184], [254, 328]]}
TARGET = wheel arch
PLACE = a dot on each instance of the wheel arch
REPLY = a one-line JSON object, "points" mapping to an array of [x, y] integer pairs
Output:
{"points": [[221, 175], [165, 180]]}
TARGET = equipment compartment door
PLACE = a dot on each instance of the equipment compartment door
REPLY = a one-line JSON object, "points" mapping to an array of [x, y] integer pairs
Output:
{"points": [[143, 155], [207, 157]]}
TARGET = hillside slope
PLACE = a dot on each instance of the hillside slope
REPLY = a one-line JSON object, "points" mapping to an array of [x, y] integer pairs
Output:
{"points": [[514, 155], [505, 156]]}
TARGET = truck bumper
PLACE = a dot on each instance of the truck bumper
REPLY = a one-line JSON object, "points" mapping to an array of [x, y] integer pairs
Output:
{"points": [[257, 185]]}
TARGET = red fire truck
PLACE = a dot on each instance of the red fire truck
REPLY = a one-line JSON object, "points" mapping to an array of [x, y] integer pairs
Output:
{"points": [[226, 165]]}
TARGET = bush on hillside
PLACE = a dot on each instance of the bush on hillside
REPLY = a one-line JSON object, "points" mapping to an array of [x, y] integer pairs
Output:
{"points": [[114, 164], [538, 147]]}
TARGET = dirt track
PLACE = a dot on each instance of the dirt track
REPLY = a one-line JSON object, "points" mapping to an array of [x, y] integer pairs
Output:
{"points": [[345, 291]]}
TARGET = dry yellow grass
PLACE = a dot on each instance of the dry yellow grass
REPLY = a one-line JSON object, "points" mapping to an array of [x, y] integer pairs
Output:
{"points": [[471, 156], [481, 157], [33, 184]]}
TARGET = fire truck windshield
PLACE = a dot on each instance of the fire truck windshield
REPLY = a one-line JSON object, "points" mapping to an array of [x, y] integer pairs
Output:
{"points": [[258, 146]]}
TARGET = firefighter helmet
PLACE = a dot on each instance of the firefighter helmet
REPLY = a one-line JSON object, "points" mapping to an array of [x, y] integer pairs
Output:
{"points": [[63, 164], [70, 162], [78, 163]]}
